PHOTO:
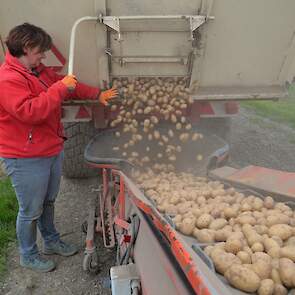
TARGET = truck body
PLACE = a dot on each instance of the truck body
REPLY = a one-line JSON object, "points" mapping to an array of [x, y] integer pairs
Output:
{"points": [[229, 50]]}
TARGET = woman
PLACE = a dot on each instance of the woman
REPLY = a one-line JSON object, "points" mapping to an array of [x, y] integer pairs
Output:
{"points": [[31, 138]]}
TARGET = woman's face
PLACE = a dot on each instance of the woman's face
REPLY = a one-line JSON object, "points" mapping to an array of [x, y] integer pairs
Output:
{"points": [[33, 56]]}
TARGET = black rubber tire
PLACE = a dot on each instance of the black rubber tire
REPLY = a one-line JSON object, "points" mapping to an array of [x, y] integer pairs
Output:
{"points": [[78, 134]]}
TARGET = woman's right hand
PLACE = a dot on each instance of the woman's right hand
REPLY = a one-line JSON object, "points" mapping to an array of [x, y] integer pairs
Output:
{"points": [[70, 82]]}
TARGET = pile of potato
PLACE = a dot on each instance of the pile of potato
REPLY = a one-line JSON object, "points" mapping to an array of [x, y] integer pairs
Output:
{"points": [[146, 103], [250, 241]]}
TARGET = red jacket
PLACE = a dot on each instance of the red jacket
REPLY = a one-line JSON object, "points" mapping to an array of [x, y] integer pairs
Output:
{"points": [[30, 110]]}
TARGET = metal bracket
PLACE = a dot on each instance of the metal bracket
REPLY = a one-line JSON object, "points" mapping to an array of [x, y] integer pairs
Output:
{"points": [[195, 22], [122, 60], [114, 21]]}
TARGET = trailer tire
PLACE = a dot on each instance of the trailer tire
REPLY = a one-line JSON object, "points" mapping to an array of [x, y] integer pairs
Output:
{"points": [[78, 135]]}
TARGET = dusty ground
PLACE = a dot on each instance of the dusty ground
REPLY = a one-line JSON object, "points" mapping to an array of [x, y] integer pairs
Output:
{"points": [[255, 140]]}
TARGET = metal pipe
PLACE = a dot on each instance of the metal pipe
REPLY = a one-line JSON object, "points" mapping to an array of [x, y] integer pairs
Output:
{"points": [[209, 8], [72, 40], [140, 17], [2, 45]]}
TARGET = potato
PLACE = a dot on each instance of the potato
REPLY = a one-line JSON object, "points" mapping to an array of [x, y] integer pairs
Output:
{"points": [[236, 236], [205, 236], [257, 256], [257, 204], [274, 252], [266, 287], [269, 243], [268, 202], [253, 238], [280, 290], [187, 226], [275, 276], [287, 272], [222, 260], [257, 214], [183, 208], [233, 246], [288, 252], [204, 220], [262, 269], [261, 229], [283, 231], [278, 240], [275, 263], [290, 241], [216, 213], [195, 136], [174, 200], [195, 232], [196, 211], [261, 221], [246, 219], [230, 213], [246, 207], [277, 219], [201, 201], [282, 207], [237, 228], [217, 224], [242, 278], [244, 257], [248, 250], [177, 218], [184, 137], [171, 209], [222, 235], [257, 247]]}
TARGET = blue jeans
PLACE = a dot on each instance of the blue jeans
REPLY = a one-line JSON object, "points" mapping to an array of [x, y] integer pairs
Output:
{"points": [[36, 182]]}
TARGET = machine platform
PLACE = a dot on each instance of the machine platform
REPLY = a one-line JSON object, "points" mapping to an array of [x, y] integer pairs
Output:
{"points": [[279, 184]]}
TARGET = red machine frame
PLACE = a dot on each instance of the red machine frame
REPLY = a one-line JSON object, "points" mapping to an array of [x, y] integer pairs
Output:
{"points": [[182, 256]]}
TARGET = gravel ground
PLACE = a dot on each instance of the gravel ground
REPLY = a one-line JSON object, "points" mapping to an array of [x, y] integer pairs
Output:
{"points": [[255, 140]]}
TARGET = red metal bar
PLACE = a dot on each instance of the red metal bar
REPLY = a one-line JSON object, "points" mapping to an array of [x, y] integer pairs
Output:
{"points": [[106, 166], [121, 223], [122, 198], [89, 244]]}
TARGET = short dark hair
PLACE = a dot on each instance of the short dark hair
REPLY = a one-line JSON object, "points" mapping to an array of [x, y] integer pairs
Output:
{"points": [[27, 35]]}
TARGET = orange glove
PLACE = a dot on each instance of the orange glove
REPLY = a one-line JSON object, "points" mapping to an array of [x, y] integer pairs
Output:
{"points": [[107, 95], [70, 82]]}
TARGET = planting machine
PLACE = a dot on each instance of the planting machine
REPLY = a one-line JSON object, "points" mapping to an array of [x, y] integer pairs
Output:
{"points": [[152, 256]]}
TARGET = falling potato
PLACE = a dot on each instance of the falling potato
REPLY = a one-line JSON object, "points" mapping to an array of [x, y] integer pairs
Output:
{"points": [[156, 134], [195, 136], [178, 126], [144, 100], [184, 137], [114, 107], [188, 127], [170, 133], [199, 157]]}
